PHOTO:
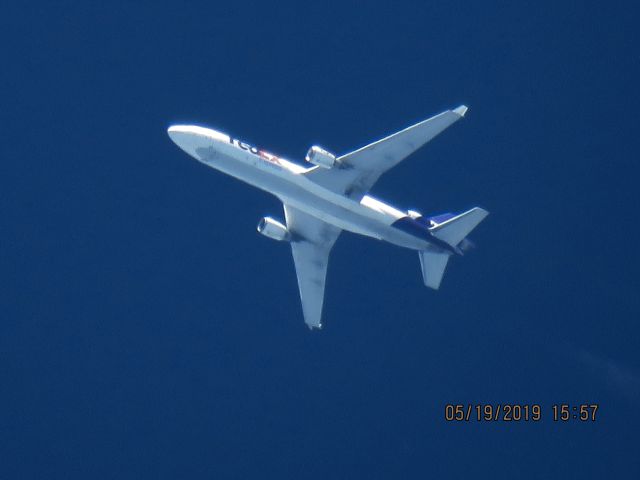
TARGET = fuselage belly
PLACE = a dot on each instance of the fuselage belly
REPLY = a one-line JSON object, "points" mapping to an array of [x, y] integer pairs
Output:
{"points": [[286, 181]]}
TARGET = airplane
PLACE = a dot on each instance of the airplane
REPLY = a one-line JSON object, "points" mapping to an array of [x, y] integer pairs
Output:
{"points": [[331, 195]]}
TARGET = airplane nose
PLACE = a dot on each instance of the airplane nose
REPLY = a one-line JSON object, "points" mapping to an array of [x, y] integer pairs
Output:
{"points": [[192, 139], [174, 132], [188, 139]]}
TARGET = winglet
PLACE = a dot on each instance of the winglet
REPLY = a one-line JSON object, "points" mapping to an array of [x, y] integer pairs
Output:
{"points": [[461, 110]]}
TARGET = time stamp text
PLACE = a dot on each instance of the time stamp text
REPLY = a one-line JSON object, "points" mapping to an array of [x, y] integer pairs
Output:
{"points": [[562, 412]]}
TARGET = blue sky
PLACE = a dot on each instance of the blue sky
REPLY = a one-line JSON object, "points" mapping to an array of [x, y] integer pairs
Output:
{"points": [[148, 332]]}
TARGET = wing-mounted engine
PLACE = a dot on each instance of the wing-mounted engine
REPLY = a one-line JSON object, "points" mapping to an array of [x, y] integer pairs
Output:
{"points": [[273, 229], [320, 157]]}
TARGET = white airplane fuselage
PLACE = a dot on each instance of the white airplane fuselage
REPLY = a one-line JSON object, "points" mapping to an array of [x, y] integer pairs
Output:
{"points": [[285, 180], [320, 202]]}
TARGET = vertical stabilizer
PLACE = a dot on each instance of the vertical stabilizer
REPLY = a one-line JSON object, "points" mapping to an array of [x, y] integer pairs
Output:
{"points": [[433, 265]]}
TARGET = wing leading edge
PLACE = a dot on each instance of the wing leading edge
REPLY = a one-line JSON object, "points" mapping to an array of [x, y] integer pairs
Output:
{"points": [[360, 169], [312, 240]]}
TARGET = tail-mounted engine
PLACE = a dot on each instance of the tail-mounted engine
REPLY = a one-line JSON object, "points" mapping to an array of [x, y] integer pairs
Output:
{"points": [[320, 157], [273, 229]]}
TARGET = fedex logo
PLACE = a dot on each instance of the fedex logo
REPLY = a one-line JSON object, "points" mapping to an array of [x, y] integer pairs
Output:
{"points": [[267, 157]]}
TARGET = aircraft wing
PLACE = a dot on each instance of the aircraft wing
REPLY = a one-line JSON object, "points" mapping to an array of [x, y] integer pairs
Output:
{"points": [[360, 169], [312, 240]]}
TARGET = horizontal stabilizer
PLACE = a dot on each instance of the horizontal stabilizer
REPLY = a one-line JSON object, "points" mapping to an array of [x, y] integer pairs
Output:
{"points": [[454, 230], [433, 265]]}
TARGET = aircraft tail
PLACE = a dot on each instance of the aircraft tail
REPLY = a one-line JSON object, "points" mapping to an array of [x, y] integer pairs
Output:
{"points": [[454, 230], [433, 265]]}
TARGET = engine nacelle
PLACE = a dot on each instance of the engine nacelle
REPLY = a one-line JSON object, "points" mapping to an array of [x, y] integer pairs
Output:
{"points": [[273, 229], [319, 156]]}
